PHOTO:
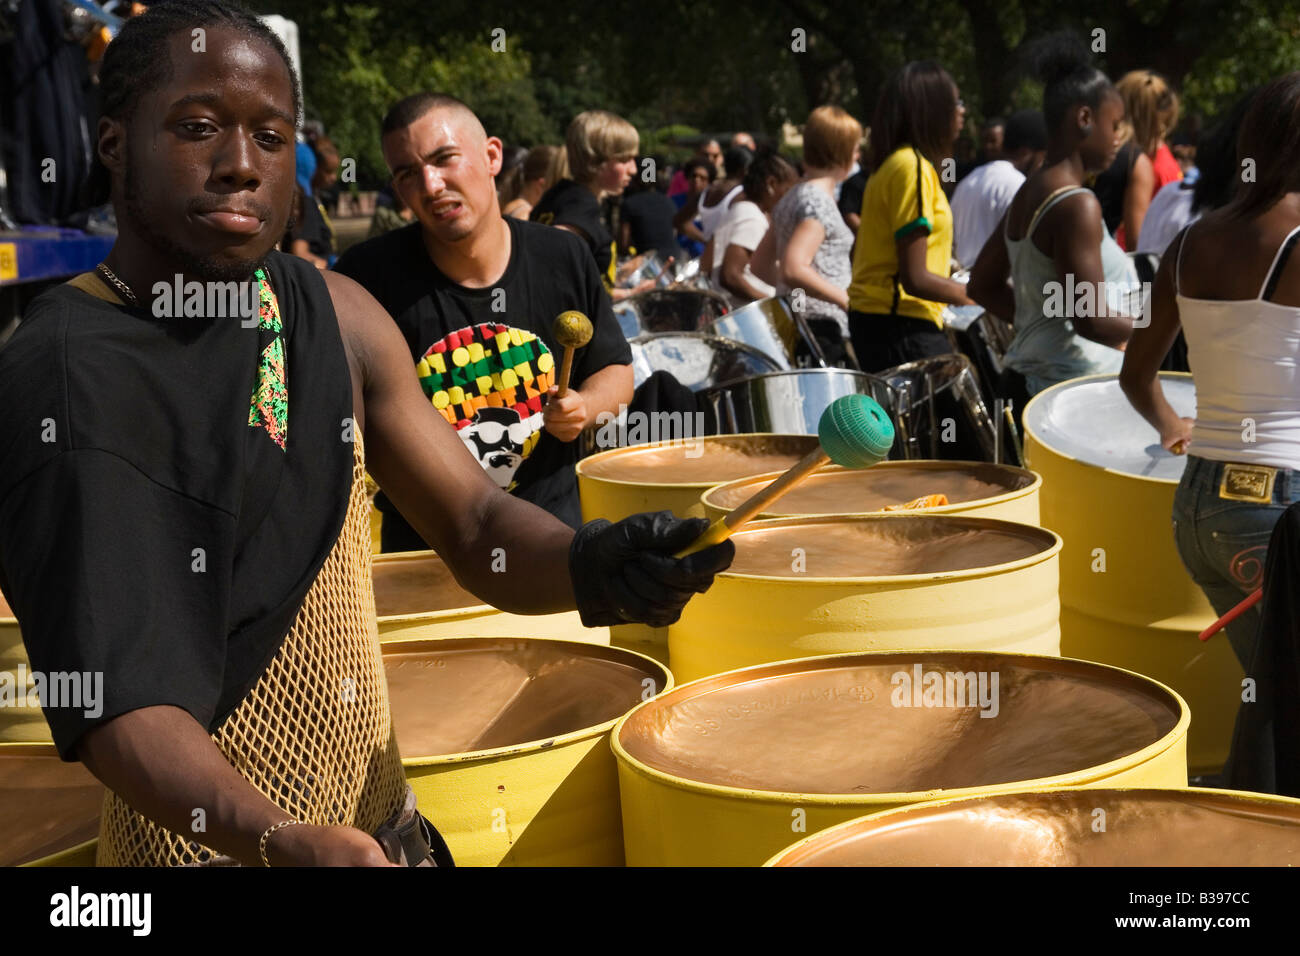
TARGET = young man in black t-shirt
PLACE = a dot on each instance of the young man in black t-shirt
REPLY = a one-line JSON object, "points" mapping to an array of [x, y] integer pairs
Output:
{"points": [[475, 295], [602, 149]]}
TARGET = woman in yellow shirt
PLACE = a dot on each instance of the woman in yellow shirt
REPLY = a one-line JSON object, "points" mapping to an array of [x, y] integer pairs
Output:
{"points": [[901, 261]]}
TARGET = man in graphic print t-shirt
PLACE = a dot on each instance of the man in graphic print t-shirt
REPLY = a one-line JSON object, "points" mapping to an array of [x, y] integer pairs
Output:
{"points": [[475, 295]]}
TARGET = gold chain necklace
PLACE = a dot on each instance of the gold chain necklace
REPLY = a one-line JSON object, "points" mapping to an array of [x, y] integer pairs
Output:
{"points": [[117, 283]]}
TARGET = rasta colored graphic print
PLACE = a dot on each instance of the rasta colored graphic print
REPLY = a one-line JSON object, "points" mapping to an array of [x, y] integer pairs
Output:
{"points": [[269, 406], [488, 381]]}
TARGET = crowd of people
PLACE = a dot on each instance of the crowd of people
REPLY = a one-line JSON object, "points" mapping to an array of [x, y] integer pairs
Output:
{"points": [[175, 441]]}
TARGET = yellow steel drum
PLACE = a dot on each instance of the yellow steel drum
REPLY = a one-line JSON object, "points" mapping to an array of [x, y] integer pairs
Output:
{"points": [[417, 598], [1126, 599], [671, 476], [19, 722], [973, 488], [1067, 827], [49, 809], [506, 744], [827, 585], [727, 770]]}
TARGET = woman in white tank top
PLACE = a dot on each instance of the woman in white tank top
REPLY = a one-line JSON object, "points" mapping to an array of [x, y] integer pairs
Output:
{"points": [[1232, 282]]}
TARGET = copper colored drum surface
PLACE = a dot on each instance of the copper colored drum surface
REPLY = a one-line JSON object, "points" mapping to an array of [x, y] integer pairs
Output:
{"points": [[839, 726], [707, 461], [844, 491], [459, 696], [883, 546], [5, 610], [46, 805], [418, 586], [1058, 828]]}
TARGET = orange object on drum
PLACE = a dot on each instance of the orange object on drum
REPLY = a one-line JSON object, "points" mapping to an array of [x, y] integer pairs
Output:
{"points": [[925, 501]]}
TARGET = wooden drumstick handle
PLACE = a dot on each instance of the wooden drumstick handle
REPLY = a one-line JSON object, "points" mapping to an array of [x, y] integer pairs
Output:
{"points": [[721, 529], [566, 369], [1251, 600]]}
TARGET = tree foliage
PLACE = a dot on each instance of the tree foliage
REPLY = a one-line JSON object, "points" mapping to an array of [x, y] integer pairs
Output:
{"points": [[722, 67]]}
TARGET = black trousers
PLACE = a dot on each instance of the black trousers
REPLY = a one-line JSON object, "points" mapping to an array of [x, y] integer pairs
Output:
{"points": [[883, 341]]}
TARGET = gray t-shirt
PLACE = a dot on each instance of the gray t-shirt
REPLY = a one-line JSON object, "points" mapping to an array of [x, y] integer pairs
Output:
{"points": [[832, 262]]}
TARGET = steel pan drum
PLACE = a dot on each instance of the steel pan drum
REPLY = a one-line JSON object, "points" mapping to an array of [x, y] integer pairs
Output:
{"points": [[768, 325], [677, 310], [790, 401], [728, 770], [671, 476], [49, 809], [984, 339], [19, 723], [1126, 599], [1058, 828], [828, 585], [416, 597], [973, 488], [696, 359], [939, 412], [506, 744]]}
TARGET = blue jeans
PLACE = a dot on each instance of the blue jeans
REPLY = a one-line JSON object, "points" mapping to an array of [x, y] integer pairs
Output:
{"points": [[1223, 543]]}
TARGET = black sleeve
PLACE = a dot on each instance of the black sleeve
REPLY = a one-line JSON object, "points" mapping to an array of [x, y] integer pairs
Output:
{"points": [[99, 564], [571, 208], [608, 346]]}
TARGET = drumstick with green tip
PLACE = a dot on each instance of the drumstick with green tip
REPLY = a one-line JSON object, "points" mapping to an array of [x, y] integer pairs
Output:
{"points": [[572, 330], [854, 432]]}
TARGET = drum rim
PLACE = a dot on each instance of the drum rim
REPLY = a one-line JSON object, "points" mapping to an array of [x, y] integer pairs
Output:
{"points": [[1040, 557], [1046, 446], [899, 814], [682, 485], [852, 372], [1073, 779], [1034, 486], [446, 614], [37, 748], [609, 652]]}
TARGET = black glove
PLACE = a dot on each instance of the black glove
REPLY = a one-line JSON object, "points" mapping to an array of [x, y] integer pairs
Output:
{"points": [[625, 573]]}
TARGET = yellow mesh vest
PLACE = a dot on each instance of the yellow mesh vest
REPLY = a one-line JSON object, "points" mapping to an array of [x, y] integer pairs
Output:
{"points": [[314, 734]]}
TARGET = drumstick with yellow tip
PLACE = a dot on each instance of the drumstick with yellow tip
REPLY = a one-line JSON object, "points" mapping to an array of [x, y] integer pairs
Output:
{"points": [[854, 432], [572, 330]]}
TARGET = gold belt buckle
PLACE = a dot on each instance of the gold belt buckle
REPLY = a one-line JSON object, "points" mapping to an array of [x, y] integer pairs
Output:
{"points": [[1248, 483]]}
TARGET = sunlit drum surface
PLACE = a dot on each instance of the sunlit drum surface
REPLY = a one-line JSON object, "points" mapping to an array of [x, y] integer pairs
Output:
{"points": [[1061, 828]]}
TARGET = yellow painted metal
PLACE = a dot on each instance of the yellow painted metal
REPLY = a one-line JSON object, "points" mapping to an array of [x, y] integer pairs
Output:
{"points": [[1143, 611], [543, 803], [80, 854], [1020, 505], [477, 620], [615, 499], [19, 722], [670, 820], [748, 619], [887, 819], [1206, 674]]}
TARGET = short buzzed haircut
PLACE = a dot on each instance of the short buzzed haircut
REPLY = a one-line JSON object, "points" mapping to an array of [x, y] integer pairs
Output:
{"points": [[1025, 129], [406, 111]]}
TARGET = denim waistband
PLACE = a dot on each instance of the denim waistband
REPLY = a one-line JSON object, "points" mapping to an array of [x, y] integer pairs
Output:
{"points": [[1206, 474]]}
